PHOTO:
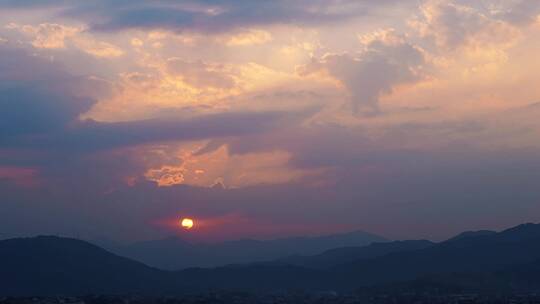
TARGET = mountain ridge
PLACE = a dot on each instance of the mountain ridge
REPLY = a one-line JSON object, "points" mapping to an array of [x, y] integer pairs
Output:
{"points": [[175, 253], [54, 265]]}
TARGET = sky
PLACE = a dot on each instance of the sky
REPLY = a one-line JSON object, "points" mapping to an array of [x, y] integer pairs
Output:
{"points": [[264, 119]]}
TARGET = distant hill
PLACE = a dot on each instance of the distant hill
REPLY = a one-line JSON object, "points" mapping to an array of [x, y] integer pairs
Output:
{"points": [[505, 258], [344, 255], [468, 234], [174, 253], [507, 261]]}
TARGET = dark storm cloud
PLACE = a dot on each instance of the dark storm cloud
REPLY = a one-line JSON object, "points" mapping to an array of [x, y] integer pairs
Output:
{"points": [[207, 15]]}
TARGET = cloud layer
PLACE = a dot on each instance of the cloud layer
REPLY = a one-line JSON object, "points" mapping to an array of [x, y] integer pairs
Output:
{"points": [[406, 118]]}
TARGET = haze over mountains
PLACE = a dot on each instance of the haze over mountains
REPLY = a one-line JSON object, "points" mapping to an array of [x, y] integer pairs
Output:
{"points": [[339, 256], [175, 253], [490, 262]]}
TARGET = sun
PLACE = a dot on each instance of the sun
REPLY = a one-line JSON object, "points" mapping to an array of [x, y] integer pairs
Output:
{"points": [[187, 223]]}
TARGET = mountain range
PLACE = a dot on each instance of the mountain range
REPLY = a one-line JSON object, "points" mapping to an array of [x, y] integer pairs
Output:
{"points": [[174, 253], [474, 261]]}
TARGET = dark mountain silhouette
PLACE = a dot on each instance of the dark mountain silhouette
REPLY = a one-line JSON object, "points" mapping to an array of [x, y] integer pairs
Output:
{"points": [[174, 253], [467, 234], [259, 278], [517, 279], [506, 261], [339, 256], [49, 265], [492, 252]]}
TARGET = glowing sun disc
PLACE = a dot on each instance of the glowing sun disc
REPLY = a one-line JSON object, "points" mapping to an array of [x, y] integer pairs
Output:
{"points": [[187, 223]]}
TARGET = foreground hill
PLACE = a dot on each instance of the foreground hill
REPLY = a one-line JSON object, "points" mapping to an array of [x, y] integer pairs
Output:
{"points": [[518, 279], [49, 265], [175, 253]]}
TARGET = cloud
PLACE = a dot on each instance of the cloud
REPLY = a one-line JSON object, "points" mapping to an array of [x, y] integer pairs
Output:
{"points": [[44, 144], [35, 96], [58, 36], [448, 147], [210, 16], [210, 167], [200, 74], [40, 105], [430, 193], [387, 61], [453, 25], [96, 135], [251, 37], [99, 49], [49, 35], [520, 12]]}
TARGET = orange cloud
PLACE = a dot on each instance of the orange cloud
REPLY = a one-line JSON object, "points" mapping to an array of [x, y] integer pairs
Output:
{"points": [[231, 171], [251, 37]]}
